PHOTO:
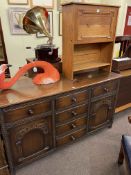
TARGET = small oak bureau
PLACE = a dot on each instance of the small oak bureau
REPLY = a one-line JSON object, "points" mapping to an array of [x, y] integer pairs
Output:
{"points": [[37, 120]]}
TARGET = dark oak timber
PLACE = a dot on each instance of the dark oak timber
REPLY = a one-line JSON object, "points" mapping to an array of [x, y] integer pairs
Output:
{"points": [[36, 120]]}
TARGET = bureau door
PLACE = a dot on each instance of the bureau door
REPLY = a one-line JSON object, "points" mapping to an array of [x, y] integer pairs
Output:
{"points": [[30, 140], [101, 113], [95, 24]]}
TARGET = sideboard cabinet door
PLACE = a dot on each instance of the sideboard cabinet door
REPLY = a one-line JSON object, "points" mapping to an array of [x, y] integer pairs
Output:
{"points": [[3, 164], [30, 140], [101, 113]]}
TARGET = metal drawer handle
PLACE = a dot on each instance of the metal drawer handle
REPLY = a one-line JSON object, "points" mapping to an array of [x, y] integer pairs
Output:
{"points": [[74, 99], [73, 138], [46, 148], [74, 113], [109, 108], [30, 111], [93, 115], [73, 125], [18, 142], [106, 90]]}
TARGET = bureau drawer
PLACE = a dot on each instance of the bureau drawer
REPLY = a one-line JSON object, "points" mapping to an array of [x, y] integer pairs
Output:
{"points": [[27, 110], [71, 99], [71, 137], [104, 88], [71, 126], [71, 114]]}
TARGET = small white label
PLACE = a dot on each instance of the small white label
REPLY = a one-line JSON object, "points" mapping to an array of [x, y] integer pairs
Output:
{"points": [[98, 10], [34, 69], [50, 53]]}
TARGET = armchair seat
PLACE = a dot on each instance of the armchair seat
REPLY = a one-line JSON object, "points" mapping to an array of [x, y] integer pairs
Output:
{"points": [[125, 151], [126, 142]]}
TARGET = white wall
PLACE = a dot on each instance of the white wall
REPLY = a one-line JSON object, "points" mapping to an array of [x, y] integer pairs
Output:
{"points": [[16, 44]]}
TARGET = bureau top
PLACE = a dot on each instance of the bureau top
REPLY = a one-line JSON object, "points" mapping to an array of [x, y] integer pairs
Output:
{"points": [[24, 90], [93, 4]]}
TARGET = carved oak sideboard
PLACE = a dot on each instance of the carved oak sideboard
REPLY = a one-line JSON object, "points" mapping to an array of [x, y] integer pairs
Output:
{"points": [[3, 163], [36, 120]]}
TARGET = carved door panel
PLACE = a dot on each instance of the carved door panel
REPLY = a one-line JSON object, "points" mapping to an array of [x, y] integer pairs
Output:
{"points": [[3, 164], [30, 140], [101, 112]]}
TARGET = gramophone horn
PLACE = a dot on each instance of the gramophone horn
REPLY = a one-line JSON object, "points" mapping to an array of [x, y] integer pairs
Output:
{"points": [[36, 20]]}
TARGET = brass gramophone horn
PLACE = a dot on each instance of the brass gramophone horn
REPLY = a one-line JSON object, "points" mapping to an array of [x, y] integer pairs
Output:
{"points": [[36, 20]]}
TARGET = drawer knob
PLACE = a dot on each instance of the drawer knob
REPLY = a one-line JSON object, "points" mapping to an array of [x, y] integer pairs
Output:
{"points": [[93, 115], [106, 90], [98, 10], [73, 125], [30, 111], [74, 113], [74, 100], [73, 138], [109, 108], [46, 148]]}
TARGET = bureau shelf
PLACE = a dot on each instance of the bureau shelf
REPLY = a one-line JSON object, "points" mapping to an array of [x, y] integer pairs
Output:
{"points": [[90, 66]]}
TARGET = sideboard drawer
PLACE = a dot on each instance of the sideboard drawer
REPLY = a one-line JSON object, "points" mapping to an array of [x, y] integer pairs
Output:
{"points": [[71, 137], [71, 126], [71, 114], [71, 99], [104, 88], [26, 110]]}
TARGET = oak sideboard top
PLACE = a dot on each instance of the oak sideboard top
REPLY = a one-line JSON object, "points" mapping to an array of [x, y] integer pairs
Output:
{"points": [[24, 90]]}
